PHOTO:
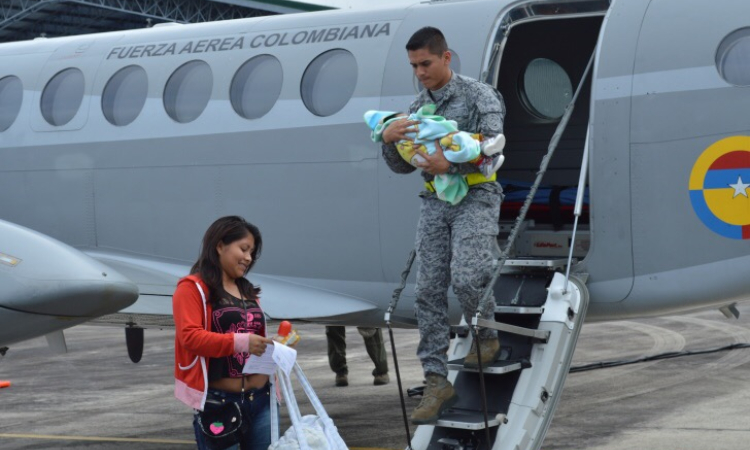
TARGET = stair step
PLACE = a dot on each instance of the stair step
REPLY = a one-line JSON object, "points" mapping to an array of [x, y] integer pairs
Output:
{"points": [[469, 420], [519, 309], [531, 262], [497, 368], [540, 335]]}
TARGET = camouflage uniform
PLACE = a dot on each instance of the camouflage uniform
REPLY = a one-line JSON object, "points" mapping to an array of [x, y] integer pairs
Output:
{"points": [[336, 336], [455, 244]]}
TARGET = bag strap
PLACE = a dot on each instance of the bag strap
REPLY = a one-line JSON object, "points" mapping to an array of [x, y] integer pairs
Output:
{"points": [[291, 403], [335, 441], [319, 409], [274, 411]]}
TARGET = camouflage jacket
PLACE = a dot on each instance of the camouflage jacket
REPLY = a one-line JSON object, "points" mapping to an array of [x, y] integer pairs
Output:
{"points": [[476, 107]]}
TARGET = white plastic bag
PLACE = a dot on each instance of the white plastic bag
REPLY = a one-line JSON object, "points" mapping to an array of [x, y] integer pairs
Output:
{"points": [[314, 436], [312, 432]]}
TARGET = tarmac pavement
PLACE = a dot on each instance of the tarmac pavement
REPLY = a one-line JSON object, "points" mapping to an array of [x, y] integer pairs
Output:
{"points": [[94, 398]]}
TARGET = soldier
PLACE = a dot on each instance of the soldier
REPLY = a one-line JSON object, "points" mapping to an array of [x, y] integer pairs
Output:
{"points": [[455, 243], [336, 336]]}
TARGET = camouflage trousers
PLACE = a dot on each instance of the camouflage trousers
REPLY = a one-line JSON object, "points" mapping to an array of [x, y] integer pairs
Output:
{"points": [[373, 337], [456, 245]]}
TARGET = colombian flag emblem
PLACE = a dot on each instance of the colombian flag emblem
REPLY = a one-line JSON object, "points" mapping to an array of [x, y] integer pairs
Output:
{"points": [[720, 185]]}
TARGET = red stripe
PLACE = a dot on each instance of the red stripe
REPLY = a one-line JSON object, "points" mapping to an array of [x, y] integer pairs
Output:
{"points": [[745, 231], [738, 159]]}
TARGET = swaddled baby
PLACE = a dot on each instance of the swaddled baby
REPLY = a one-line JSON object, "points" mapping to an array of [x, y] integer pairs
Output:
{"points": [[458, 147]]}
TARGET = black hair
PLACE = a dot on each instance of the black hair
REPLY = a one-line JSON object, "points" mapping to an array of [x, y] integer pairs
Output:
{"points": [[430, 38], [227, 230]]}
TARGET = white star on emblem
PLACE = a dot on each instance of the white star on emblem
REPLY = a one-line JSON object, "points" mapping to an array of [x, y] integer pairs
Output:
{"points": [[740, 188]]}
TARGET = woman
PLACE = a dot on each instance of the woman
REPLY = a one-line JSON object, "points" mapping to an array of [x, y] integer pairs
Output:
{"points": [[219, 324]]}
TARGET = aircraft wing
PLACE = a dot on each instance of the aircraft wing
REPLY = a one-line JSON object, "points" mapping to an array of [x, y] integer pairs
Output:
{"points": [[282, 298]]}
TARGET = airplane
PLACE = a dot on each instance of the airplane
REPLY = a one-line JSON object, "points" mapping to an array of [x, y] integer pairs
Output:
{"points": [[125, 146], [53, 287]]}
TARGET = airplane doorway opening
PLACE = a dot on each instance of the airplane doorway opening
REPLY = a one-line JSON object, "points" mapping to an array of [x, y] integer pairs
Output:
{"points": [[541, 65]]}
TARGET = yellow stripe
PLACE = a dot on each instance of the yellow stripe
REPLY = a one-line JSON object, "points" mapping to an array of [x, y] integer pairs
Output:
{"points": [[114, 439], [93, 438], [370, 448], [477, 178], [471, 180]]}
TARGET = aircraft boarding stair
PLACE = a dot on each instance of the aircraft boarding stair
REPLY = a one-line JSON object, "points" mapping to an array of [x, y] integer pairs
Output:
{"points": [[540, 309], [538, 321]]}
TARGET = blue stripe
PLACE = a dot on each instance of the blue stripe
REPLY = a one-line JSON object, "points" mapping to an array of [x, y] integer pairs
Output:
{"points": [[710, 220], [721, 179]]}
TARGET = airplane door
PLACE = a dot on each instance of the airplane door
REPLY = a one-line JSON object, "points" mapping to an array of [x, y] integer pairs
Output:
{"points": [[610, 260], [690, 97]]}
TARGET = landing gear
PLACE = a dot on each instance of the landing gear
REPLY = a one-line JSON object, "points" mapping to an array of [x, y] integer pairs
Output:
{"points": [[134, 342]]}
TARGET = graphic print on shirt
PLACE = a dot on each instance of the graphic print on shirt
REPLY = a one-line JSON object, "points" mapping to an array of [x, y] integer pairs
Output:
{"points": [[232, 319]]}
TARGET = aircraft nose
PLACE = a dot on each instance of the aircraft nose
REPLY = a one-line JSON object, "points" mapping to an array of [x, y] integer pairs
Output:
{"points": [[92, 297], [119, 293], [41, 275], [84, 291]]}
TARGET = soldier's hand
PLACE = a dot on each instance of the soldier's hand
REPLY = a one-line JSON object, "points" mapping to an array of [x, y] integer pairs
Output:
{"points": [[397, 130], [436, 163]]}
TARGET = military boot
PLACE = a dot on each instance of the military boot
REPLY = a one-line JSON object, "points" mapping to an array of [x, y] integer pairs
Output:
{"points": [[438, 396], [490, 351], [380, 380], [342, 380]]}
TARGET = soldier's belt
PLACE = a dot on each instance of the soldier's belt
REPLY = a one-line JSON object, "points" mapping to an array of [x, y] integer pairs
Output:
{"points": [[471, 179]]}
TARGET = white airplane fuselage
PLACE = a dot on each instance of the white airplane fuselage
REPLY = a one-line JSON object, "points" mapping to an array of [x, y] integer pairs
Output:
{"points": [[144, 182]]}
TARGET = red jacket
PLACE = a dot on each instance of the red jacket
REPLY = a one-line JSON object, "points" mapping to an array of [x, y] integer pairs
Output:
{"points": [[194, 343]]}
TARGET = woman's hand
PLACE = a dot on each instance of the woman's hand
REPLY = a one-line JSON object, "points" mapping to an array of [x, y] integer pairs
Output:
{"points": [[257, 344]]}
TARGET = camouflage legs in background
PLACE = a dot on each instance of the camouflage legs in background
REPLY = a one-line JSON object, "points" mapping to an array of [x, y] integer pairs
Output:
{"points": [[373, 337]]}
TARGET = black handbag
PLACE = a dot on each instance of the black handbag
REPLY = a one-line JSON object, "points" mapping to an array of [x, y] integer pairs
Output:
{"points": [[221, 423]]}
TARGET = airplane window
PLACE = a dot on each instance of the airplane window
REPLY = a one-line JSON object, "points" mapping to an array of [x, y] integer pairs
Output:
{"points": [[329, 82], [256, 86], [62, 97], [733, 58], [546, 89], [455, 67], [11, 95], [188, 91], [124, 95]]}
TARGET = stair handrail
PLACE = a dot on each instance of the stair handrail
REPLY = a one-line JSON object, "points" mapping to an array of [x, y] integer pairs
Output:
{"points": [[579, 205], [391, 308], [397, 292]]}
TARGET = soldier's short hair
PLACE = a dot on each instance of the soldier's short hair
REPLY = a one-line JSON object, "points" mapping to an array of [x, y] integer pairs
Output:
{"points": [[430, 38]]}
